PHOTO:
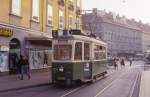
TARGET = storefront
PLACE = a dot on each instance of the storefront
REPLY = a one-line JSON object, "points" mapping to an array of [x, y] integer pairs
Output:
{"points": [[14, 55], [5, 36], [16, 41], [4, 52], [39, 51]]}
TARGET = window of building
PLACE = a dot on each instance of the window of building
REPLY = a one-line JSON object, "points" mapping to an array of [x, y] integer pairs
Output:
{"points": [[50, 15], [60, 19], [70, 21], [62, 52], [78, 23], [35, 10], [16, 7], [86, 51], [78, 51], [78, 3]]}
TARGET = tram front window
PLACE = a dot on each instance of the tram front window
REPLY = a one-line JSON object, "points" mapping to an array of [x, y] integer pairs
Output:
{"points": [[62, 52]]}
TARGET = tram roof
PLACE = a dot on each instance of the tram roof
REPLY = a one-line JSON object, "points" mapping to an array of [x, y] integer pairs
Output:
{"points": [[80, 37]]}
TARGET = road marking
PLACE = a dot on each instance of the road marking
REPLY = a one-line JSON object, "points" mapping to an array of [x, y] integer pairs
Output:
{"points": [[72, 91]]}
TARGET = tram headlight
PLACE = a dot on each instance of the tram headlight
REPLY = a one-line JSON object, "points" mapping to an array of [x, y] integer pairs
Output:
{"points": [[61, 69]]}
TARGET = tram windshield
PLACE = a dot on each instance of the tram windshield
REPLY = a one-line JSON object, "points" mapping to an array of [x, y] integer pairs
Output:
{"points": [[62, 52]]}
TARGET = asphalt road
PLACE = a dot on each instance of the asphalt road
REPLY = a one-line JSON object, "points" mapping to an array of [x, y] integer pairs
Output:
{"points": [[121, 83]]}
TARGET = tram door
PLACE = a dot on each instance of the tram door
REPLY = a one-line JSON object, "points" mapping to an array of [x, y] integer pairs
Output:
{"points": [[14, 55], [87, 66]]}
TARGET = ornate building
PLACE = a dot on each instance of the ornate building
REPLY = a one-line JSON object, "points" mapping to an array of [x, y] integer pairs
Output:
{"points": [[26, 28], [124, 36]]}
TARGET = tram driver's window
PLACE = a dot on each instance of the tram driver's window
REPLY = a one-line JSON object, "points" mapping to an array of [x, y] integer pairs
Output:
{"points": [[78, 51], [86, 51], [62, 52]]}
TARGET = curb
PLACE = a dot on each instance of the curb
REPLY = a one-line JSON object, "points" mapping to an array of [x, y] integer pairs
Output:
{"points": [[25, 87]]}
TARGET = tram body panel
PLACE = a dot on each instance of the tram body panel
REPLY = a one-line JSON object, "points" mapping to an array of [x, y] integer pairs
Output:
{"points": [[62, 71], [99, 67], [72, 71]]}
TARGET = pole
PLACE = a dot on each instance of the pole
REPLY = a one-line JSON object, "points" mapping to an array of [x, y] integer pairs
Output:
{"points": [[65, 13]]}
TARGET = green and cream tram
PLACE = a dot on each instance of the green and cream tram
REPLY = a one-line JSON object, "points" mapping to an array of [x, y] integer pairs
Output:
{"points": [[77, 57]]}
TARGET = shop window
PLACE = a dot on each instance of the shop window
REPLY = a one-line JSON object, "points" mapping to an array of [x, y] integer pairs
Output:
{"points": [[49, 15], [78, 51], [16, 7], [86, 51], [35, 10]]}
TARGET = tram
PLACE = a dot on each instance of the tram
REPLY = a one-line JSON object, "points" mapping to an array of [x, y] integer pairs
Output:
{"points": [[78, 58]]}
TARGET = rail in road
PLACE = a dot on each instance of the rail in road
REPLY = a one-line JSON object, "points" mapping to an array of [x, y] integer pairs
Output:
{"points": [[86, 90], [106, 85]]}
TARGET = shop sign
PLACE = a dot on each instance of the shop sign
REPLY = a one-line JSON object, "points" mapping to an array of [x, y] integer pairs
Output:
{"points": [[4, 48], [6, 32]]}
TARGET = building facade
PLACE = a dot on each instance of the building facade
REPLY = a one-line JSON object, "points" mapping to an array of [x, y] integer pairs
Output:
{"points": [[122, 36], [26, 28]]}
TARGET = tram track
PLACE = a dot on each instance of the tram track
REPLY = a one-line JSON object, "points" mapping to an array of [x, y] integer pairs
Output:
{"points": [[106, 83], [111, 83], [134, 84], [86, 90]]}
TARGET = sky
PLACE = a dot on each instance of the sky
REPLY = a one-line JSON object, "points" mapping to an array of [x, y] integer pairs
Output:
{"points": [[137, 9]]}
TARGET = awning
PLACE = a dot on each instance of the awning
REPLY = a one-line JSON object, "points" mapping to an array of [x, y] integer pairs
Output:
{"points": [[41, 40]]}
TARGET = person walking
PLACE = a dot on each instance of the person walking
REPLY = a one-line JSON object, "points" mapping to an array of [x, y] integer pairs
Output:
{"points": [[19, 65], [122, 63], [25, 68], [130, 60], [115, 63]]}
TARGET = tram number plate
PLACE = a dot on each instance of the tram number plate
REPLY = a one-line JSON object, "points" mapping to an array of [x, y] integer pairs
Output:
{"points": [[86, 67]]}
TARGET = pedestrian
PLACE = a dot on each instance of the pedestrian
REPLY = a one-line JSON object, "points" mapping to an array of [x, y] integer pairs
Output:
{"points": [[115, 63], [122, 63], [25, 68], [19, 64], [130, 60], [45, 58]]}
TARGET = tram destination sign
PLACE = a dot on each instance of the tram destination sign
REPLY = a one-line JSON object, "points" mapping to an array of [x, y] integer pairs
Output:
{"points": [[6, 32]]}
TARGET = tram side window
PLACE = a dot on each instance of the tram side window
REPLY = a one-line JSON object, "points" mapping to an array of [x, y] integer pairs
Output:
{"points": [[78, 51], [86, 51], [99, 52], [62, 52]]}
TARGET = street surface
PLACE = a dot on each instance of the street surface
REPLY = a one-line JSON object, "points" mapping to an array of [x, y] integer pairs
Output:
{"points": [[123, 82]]}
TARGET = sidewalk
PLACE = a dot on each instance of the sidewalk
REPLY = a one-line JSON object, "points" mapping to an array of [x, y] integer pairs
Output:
{"points": [[145, 84], [13, 82]]}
